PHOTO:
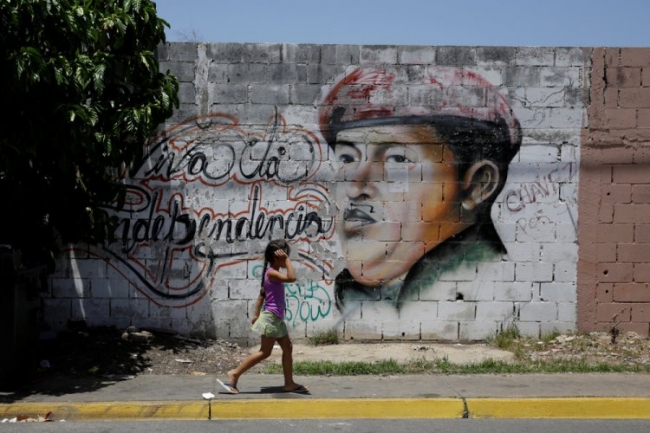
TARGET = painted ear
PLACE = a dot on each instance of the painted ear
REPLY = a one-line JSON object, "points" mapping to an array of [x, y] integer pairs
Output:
{"points": [[480, 183]]}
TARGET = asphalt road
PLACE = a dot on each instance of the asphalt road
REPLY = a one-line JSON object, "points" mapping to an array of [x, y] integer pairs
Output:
{"points": [[339, 426]]}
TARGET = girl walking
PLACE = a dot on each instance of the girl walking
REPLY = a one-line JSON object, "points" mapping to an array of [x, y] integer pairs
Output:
{"points": [[270, 322]]}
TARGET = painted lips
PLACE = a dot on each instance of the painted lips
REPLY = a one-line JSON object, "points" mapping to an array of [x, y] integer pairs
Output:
{"points": [[354, 219]]}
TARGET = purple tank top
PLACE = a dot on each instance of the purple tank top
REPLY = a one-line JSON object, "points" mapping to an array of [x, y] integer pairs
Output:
{"points": [[274, 296]]}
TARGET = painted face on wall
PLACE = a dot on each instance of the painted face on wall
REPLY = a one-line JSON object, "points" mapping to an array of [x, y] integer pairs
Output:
{"points": [[398, 193]]}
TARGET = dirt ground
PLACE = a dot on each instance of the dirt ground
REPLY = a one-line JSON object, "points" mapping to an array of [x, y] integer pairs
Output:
{"points": [[112, 353]]}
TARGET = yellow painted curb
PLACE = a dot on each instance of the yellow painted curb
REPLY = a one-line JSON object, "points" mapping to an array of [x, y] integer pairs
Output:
{"points": [[243, 409], [85, 411], [338, 408], [362, 408], [577, 408]]}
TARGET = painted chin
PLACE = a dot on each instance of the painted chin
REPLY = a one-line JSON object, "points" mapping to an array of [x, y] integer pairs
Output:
{"points": [[365, 277], [373, 267], [376, 274]]}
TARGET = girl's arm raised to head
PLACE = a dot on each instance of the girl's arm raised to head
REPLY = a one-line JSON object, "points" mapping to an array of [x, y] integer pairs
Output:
{"points": [[276, 276], [291, 274]]}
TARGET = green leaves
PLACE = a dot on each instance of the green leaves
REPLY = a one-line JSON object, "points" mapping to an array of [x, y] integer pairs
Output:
{"points": [[85, 93]]}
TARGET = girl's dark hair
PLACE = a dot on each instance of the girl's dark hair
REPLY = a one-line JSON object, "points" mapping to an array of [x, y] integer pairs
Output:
{"points": [[269, 253]]}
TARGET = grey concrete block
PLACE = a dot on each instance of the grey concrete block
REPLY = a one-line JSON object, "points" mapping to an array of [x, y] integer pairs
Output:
{"points": [[244, 53], [439, 330], [456, 310], [186, 92], [302, 150], [229, 110], [520, 76], [56, 312], [542, 97], [247, 73], [162, 52], [283, 73], [538, 312], [324, 74], [553, 76], [184, 112], [230, 93], [565, 118], [569, 56], [425, 96], [305, 94], [456, 56], [302, 116], [301, 53], [183, 70], [415, 73], [182, 51], [535, 56], [302, 73], [416, 55], [218, 73], [492, 55], [269, 94], [340, 54], [476, 330], [574, 96], [256, 114], [378, 55], [493, 73]]}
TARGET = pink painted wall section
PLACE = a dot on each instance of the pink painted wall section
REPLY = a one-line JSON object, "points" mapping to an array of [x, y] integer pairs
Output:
{"points": [[614, 193]]}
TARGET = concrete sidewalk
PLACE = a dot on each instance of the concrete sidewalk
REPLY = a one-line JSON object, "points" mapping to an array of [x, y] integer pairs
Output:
{"points": [[167, 397]]}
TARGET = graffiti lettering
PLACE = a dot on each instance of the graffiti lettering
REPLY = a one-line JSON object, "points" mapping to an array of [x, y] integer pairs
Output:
{"points": [[193, 163], [195, 201], [161, 227], [533, 222], [179, 228], [259, 223], [306, 303], [529, 193], [207, 150]]}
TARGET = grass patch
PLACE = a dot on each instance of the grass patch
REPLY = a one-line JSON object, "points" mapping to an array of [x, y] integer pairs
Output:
{"points": [[323, 368], [324, 338], [443, 366], [506, 339], [509, 339], [547, 338], [531, 355]]}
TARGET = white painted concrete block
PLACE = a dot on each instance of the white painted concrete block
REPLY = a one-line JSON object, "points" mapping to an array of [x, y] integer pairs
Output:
{"points": [[537, 272], [439, 330], [457, 310], [538, 311]]}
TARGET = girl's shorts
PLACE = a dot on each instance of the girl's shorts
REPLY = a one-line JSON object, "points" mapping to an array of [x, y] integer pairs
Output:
{"points": [[270, 325]]}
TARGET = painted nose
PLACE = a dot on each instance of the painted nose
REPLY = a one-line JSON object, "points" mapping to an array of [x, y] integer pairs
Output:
{"points": [[360, 180]]}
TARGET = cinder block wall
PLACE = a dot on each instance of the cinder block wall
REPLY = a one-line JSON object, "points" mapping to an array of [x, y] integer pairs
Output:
{"points": [[427, 193], [614, 235]]}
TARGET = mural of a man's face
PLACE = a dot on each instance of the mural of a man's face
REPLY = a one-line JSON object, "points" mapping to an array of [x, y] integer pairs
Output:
{"points": [[399, 196]]}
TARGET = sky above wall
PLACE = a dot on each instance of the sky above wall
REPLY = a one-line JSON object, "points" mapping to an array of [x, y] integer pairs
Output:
{"points": [[622, 23]]}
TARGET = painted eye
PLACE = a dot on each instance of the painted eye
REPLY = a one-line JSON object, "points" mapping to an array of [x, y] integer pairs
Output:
{"points": [[345, 158], [397, 158]]}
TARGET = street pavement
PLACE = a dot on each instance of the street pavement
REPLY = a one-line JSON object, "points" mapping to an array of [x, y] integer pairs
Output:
{"points": [[187, 397]]}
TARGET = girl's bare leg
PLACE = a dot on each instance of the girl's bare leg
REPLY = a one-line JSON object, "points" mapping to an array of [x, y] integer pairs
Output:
{"points": [[253, 359], [287, 363]]}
